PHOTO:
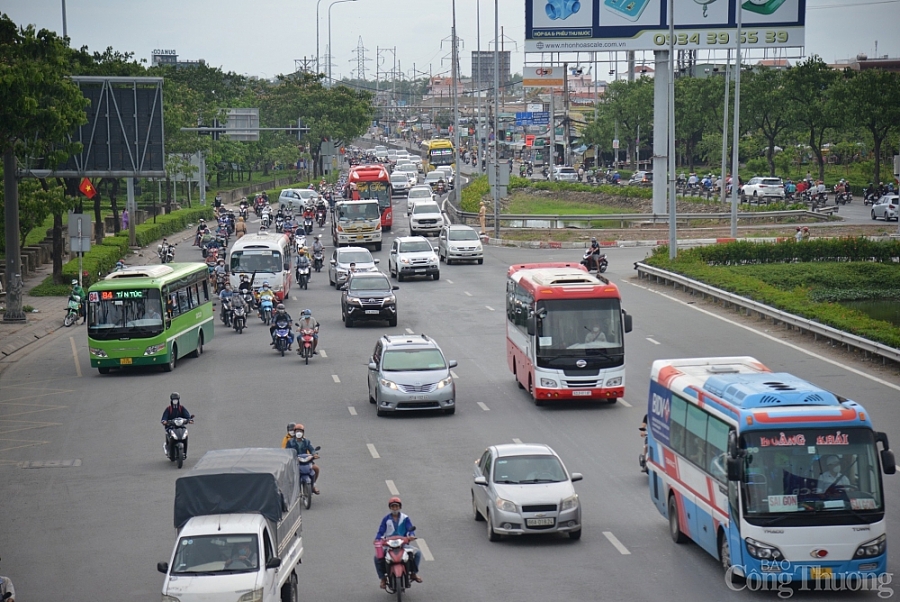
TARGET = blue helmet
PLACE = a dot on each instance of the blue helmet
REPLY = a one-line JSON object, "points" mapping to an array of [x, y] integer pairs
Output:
{"points": [[306, 313]]}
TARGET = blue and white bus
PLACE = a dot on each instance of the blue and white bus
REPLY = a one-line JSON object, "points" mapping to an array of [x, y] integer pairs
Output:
{"points": [[777, 478]]}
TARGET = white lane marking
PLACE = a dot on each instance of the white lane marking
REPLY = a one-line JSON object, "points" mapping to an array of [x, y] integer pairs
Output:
{"points": [[618, 544], [448, 281], [410, 331], [489, 308], [772, 338], [655, 342], [392, 489], [322, 353], [625, 403], [373, 451], [454, 374], [352, 410], [517, 441], [75, 356], [468, 294], [426, 552], [335, 378], [294, 298], [483, 406]]}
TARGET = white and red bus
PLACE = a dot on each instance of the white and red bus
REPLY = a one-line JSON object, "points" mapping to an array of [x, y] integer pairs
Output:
{"points": [[373, 182], [565, 333]]}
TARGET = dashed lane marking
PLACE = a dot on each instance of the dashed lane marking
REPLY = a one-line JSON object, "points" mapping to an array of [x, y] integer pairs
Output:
{"points": [[392, 489], [489, 308], [335, 378], [373, 451], [454, 374], [517, 441], [426, 552], [615, 542], [483, 406], [625, 403], [468, 294], [322, 353], [410, 331], [75, 357], [448, 281], [655, 342], [352, 410]]}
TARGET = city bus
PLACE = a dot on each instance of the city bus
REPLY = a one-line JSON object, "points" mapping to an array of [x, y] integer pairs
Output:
{"points": [[777, 478], [373, 182], [263, 257], [149, 315], [438, 151], [565, 333]]}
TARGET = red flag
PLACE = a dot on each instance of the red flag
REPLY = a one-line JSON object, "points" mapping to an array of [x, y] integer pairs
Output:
{"points": [[87, 189]]}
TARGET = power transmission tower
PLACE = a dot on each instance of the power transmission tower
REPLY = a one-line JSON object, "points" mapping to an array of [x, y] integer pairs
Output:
{"points": [[361, 60], [304, 65]]}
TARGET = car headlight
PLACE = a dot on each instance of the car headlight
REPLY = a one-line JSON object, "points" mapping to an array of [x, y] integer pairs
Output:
{"points": [[340, 228], [404, 260], [353, 300], [569, 503], [97, 352], [254, 596], [391, 299], [549, 383], [614, 382], [479, 248], [166, 598], [872, 548], [454, 248], [388, 383], [342, 271], [445, 382], [378, 226], [762, 551], [152, 349], [433, 259], [505, 505]]}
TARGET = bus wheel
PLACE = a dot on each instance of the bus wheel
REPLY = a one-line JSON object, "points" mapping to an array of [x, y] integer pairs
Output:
{"points": [[725, 554], [674, 527], [199, 350], [173, 359], [103, 370], [516, 376]]}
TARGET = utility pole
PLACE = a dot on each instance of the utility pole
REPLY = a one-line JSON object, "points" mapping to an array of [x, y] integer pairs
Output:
{"points": [[736, 133], [303, 65], [14, 312], [457, 187], [496, 122], [479, 128], [360, 52], [565, 113]]}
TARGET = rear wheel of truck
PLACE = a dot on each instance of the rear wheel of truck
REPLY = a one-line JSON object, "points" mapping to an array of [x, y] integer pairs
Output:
{"points": [[289, 591]]}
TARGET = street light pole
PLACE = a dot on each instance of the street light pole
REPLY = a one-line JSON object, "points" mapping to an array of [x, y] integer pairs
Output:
{"points": [[318, 63], [65, 27], [496, 121], [330, 49], [455, 58]]}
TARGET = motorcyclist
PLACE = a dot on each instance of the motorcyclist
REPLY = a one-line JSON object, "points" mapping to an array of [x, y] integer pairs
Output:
{"points": [[302, 445], [82, 298], [226, 298], [289, 436], [265, 292], [302, 262], [201, 226], [173, 411], [7, 589], [317, 246], [308, 322], [398, 523], [594, 257], [221, 272], [281, 319]]}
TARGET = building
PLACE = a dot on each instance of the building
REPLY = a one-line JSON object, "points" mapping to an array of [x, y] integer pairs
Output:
{"points": [[483, 67], [442, 87], [170, 57], [863, 62]]}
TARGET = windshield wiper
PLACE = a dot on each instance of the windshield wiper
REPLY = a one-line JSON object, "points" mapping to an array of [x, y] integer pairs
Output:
{"points": [[538, 481], [508, 482]]}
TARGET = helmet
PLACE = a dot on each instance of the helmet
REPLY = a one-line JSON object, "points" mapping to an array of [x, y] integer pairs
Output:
{"points": [[302, 251], [266, 284], [280, 307], [593, 239], [290, 427], [395, 500], [74, 281], [175, 399], [202, 221], [299, 427], [244, 277], [318, 236], [306, 313]]}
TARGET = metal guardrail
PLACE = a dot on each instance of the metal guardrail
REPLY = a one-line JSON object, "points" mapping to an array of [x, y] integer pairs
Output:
{"points": [[818, 329]]}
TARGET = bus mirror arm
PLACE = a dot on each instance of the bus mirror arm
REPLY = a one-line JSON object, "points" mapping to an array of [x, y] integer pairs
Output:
{"points": [[888, 463]]}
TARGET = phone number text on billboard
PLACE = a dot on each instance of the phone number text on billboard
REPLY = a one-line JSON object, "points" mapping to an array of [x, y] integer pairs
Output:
{"points": [[781, 37]]}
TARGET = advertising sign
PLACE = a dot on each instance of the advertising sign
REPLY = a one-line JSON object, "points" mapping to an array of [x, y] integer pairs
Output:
{"points": [[605, 25], [534, 107], [543, 77]]}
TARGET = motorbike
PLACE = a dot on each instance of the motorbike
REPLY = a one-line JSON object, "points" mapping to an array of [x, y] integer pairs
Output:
{"points": [[221, 278], [843, 198], [303, 277], [599, 264], [166, 253], [73, 311], [871, 198], [265, 310], [282, 337], [306, 476], [308, 224], [393, 552], [305, 340], [227, 313], [279, 223], [318, 260], [239, 320], [320, 216], [177, 438], [242, 212], [266, 219]]}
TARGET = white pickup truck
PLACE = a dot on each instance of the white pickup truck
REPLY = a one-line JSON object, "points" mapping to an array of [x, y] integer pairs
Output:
{"points": [[238, 518]]}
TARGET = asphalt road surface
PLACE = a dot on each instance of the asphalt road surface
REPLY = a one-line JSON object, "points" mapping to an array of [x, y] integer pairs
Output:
{"points": [[88, 495]]}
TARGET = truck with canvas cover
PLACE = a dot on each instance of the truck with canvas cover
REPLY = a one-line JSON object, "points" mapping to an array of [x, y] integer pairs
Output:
{"points": [[237, 513]]}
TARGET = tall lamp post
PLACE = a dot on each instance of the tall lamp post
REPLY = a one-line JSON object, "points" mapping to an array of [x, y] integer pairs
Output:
{"points": [[318, 56], [457, 192], [330, 49]]}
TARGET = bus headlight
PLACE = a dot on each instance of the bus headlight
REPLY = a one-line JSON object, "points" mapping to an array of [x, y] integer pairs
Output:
{"points": [[549, 383], [154, 349], [97, 352], [614, 382], [872, 548], [763, 551]]}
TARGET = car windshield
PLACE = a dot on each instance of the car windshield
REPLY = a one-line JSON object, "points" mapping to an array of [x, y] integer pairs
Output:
{"points": [[520, 470], [368, 283], [399, 177], [426, 208], [406, 360], [415, 246], [357, 257], [256, 260], [216, 555], [463, 235], [354, 211], [420, 194]]}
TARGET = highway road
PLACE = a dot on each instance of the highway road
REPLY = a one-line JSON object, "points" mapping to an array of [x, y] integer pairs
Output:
{"points": [[88, 495]]}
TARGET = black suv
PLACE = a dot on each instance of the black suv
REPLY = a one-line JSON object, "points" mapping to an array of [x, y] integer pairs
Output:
{"points": [[368, 296]]}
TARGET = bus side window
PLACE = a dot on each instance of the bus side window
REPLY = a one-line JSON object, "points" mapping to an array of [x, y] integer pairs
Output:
{"points": [[678, 419], [696, 444]]}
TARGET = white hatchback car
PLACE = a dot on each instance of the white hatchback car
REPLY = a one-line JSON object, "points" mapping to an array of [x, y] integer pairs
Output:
{"points": [[886, 208], [399, 183], [457, 242]]}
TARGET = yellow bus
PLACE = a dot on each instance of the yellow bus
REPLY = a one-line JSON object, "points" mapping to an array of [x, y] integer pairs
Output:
{"points": [[438, 152]]}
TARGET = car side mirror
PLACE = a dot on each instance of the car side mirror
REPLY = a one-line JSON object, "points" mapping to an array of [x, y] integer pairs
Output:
{"points": [[452, 363], [343, 288], [373, 366], [576, 476], [273, 563], [377, 261], [162, 567], [481, 481], [395, 287]]}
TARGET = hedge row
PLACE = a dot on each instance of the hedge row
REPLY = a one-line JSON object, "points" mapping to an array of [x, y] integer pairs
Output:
{"points": [[788, 251], [102, 258], [797, 300]]}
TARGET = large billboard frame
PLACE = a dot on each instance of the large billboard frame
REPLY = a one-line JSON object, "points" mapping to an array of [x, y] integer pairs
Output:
{"points": [[616, 25]]}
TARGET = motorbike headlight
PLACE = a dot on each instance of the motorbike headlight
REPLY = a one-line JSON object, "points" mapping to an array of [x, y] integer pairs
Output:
{"points": [[614, 382], [97, 352], [569, 503], [549, 383], [505, 505], [445, 382], [153, 349], [872, 548], [254, 596], [389, 384], [762, 551]]}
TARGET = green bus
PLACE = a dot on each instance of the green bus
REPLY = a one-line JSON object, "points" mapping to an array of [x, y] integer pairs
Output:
{"points": [[150, 316]]}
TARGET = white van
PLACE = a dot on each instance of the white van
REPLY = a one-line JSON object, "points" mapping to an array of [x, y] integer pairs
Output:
{"points": [[265, 256]]}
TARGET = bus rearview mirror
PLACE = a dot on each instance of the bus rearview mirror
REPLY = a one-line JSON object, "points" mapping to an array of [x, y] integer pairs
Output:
{"points": [[888, 464], [734, 469]]}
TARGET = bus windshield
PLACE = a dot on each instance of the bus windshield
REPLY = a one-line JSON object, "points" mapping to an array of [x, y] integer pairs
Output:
{"points": [[354, 211], [798, 475], [124, 314], [441, 156], [578, 327], [373, 190], [256, 260]]}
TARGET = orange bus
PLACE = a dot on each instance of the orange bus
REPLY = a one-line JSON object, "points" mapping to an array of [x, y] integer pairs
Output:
{"points": [[373, 182]]}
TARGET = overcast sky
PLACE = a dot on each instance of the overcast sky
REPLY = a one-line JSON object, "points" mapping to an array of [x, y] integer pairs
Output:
{"points": [[264, 37]]}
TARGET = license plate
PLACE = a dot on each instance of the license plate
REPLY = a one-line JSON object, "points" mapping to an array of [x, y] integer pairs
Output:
{"points": [[125, 361], [372, 312], [422, 271], [417, 397], [359, 237], [581, 393], [819, 572], [539, 522]]}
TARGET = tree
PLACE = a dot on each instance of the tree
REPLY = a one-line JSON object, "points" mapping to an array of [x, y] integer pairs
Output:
{"points": [[698, 109], [763, 109], [630, 104], [809, 90]]}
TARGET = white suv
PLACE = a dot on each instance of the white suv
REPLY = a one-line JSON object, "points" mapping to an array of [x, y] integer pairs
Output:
{"points": [[425, 217], [413, 256], [763, 188]]}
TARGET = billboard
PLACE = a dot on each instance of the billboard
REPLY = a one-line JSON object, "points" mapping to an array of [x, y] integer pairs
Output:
{"points": [[543, 77], [609, 25]]}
